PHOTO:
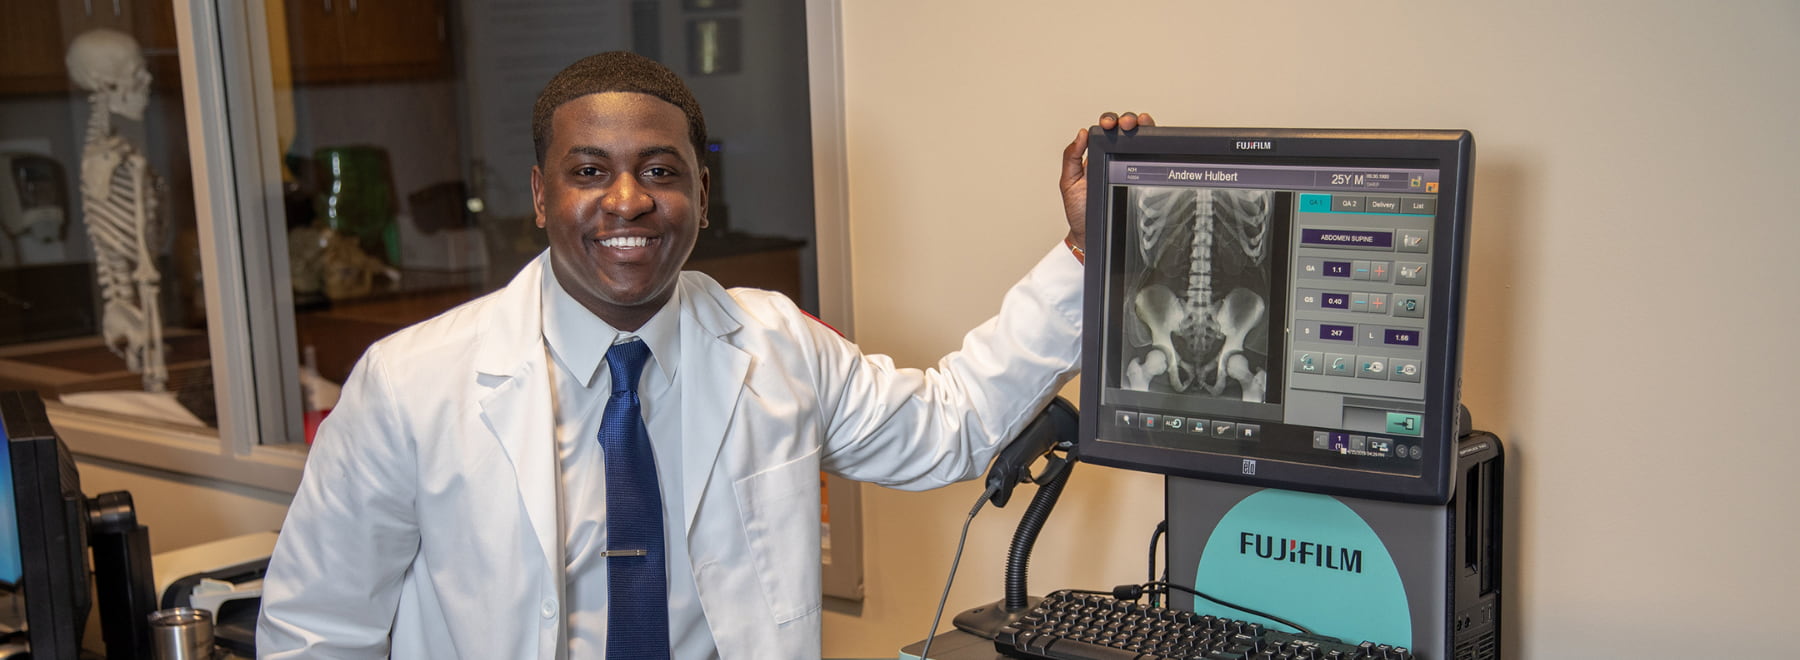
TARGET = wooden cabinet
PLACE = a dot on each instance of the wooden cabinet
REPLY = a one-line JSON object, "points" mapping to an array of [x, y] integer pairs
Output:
{"points": [[758, 262], [31, 48], [335, 41], [35, 36], [340, 331]]}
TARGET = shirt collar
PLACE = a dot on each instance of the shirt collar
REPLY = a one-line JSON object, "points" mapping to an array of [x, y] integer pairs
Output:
{"points": [[580, 339]]}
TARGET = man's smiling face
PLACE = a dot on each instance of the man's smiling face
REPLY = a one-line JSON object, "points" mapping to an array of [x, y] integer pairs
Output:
{"points": [[623, 197]]}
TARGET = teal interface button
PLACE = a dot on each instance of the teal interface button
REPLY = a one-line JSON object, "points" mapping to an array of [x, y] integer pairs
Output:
{"points": [[1310, 203], [1405, 424]]}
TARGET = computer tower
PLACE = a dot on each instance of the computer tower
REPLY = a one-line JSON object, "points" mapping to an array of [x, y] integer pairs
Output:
{"points": [[1422, 576]]}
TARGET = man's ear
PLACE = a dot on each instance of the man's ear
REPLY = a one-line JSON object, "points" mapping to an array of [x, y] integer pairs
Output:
{"points": [[705, 195], [537, 194]]}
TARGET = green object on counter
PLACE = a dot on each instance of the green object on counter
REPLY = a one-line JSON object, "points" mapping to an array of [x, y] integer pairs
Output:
{"points": [[356, 197]]}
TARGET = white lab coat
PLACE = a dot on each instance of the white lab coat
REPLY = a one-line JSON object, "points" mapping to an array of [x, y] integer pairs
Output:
{"points": [[429, 504]]}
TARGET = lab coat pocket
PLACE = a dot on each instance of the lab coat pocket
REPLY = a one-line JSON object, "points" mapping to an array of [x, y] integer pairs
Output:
{"points": [[780, 507]]}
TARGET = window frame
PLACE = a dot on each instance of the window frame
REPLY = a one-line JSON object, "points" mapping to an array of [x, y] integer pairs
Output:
{"points": [[841, 578], [238, 323]]}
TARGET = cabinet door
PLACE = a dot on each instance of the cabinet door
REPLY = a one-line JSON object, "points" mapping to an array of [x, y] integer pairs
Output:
{"points": [[315, 45], [360, 40], [154, 23], [79, 16], [31, 49], [396, 38], [34, 37]]}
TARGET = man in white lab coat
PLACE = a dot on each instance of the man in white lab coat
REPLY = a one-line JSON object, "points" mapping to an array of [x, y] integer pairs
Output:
{"points": [[452, 504]]}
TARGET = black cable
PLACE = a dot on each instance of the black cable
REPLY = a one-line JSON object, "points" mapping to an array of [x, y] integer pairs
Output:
{"points": [[1031, 523], [1170, 585], [925, 653], [1161, 528]]}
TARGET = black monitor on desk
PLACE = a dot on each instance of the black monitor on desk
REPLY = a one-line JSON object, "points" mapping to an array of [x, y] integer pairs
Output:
{"points": [[47, 528], [1277, 307], [43, 532]]}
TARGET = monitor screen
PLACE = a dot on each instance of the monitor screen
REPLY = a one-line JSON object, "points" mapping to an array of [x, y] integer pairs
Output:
{"points": [[1277, 307], [12, 567], [11, 563]]}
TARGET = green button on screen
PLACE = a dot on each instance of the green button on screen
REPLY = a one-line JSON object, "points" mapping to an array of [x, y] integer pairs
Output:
{"points": [[1405, 424]]}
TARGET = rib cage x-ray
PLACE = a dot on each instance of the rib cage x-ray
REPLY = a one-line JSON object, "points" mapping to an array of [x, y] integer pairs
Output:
{"points": [[1196, 291]]}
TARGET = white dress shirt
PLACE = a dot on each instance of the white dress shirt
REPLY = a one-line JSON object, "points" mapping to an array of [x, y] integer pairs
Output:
{"points": [[576, 342]]}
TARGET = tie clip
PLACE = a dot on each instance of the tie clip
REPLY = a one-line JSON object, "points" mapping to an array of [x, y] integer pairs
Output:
{"points": [[624, 553]]}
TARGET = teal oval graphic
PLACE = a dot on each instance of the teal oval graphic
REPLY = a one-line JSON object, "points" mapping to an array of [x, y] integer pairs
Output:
{"points": [[1309, 559]]}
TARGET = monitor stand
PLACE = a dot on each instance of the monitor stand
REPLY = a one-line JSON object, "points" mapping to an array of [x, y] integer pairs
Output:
{"points": [[123, 585], [1419, 575]]}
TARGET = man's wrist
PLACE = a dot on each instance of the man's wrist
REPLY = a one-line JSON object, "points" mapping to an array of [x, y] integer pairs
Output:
{"points": [[1080, 254]]}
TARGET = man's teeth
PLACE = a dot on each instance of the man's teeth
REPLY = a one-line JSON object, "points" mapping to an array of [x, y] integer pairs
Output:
{"points": [[626, 242]]}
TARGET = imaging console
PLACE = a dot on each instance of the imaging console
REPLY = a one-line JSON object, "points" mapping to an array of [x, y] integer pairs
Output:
{"points": [[1274, 321]]}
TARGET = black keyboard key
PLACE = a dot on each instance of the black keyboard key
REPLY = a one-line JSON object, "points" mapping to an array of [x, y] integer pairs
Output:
{"points": [[1026, 639], [1007, 634]]}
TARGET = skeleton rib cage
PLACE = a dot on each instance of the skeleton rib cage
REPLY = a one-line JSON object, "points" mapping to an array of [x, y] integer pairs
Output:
{"points": [[120, 212]]}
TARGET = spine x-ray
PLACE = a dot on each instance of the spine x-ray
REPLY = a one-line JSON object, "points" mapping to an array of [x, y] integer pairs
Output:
{"points": [[1197, 283]]}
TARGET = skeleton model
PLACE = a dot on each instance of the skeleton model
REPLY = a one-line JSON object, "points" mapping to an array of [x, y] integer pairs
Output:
{"points": [[1196, 340], [118, 201]]}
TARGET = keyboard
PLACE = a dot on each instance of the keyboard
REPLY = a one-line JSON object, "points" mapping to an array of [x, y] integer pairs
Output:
{"points": [[1069, 625]]}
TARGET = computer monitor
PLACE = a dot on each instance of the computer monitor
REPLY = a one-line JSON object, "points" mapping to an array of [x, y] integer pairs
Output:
{"points": [[1277, 307], [43, 529]]}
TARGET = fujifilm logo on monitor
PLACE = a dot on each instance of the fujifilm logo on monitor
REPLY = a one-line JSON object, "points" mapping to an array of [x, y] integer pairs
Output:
{"points": [[1254, 145]]}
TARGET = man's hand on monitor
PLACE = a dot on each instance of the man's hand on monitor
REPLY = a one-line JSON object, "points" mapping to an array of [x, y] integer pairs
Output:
{"points": [[1074, 174], [1128, 121]]}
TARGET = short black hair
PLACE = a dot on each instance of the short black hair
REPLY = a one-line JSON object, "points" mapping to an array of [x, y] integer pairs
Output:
{"points": [[615, 71]]}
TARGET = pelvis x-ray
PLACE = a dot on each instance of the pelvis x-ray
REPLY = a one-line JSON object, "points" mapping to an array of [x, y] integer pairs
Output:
{"points": [[1197, 292]]}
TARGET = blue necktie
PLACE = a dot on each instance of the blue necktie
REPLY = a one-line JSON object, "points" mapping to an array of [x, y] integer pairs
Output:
{"points": [[637, 593]]}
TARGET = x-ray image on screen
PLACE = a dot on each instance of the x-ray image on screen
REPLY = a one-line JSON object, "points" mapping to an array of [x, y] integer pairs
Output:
{"points": [[1197, 291]]}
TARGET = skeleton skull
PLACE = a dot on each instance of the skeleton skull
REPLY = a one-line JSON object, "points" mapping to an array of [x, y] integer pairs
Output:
{"points": [[110, 64]]}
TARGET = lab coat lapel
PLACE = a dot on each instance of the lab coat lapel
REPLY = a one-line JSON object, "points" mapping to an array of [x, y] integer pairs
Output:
{"points": [[509, 361], [713, 376]]}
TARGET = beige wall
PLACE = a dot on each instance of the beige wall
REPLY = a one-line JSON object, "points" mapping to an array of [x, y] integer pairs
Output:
{"points": [[185, 511], [1632, 284]]}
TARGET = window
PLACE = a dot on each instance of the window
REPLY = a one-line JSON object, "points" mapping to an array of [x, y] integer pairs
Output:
{"points": [[102, 296], [396, 167], [307, 176]]}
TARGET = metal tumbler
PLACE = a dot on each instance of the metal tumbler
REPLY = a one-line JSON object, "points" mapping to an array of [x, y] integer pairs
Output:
{"points": [[182, 633]]}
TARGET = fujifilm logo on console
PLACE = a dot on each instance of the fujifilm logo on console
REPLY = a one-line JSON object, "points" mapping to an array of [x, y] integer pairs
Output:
{"points": [[1295, 551], [1254, 145]]}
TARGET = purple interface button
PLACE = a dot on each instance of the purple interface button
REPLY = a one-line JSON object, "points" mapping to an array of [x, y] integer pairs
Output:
{"points": [[1340, 442], [1334, 301], [1400, 337], [1337, 269], [1337, 332], [1347, 238]]}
